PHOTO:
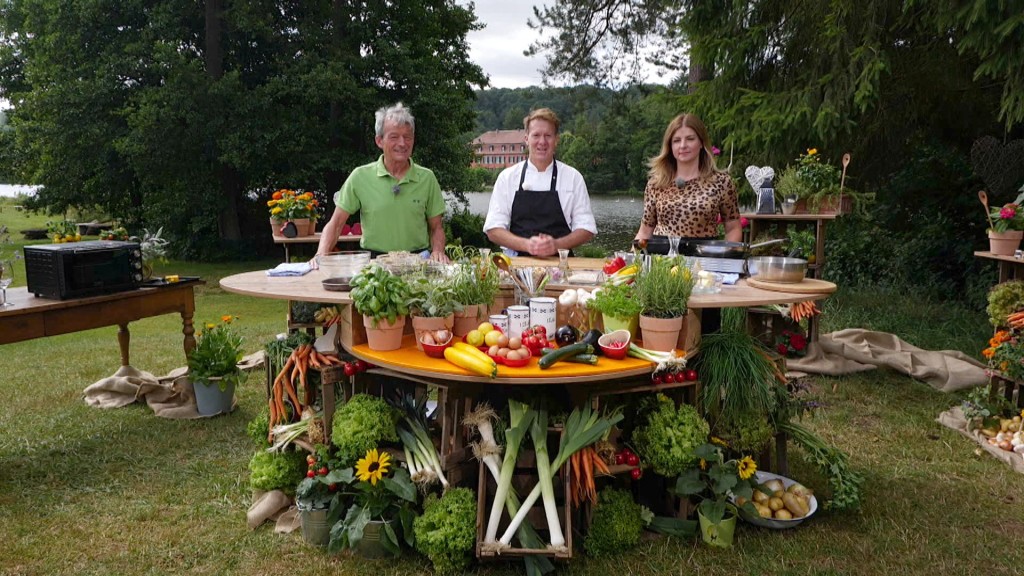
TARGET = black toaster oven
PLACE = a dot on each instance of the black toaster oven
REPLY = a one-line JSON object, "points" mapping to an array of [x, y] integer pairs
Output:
{"points": [[79, 269]]}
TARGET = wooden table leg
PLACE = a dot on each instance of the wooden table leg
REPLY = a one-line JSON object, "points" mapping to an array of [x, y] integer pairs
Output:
{"points": [[189, 330], [123, 339]]}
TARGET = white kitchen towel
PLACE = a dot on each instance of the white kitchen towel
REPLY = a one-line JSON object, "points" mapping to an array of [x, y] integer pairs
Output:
{"points": [[290, 269]]}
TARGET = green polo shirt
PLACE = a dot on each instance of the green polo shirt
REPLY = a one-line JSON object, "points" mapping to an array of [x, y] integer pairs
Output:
{"points": [[392, 222]]}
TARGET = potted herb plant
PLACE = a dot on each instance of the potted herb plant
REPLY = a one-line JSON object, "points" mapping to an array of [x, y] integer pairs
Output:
{"points": [[153, 247], [618, 307], [213, 367], [476, 282], [432, 305], [663, 287], [382, 509], [713, 481], [381, 297]]}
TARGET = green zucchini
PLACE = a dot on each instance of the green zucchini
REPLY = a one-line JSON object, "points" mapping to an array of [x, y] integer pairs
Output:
{"points": [[563, 353], [579, 358]]}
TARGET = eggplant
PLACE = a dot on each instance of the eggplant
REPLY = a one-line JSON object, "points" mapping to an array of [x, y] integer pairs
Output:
{"points": [[566, 335], [591, 338]]}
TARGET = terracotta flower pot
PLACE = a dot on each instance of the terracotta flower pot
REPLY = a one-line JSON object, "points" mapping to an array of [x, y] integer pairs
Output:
{"points": [[422, 324], [660, 334], [386, 336], [467, 320], [1004, 243], [311, 229], [275, 226]]}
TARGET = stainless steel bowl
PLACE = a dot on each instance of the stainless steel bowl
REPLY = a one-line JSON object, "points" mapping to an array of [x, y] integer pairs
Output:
{"points": [[777, 269], [342, 266]]}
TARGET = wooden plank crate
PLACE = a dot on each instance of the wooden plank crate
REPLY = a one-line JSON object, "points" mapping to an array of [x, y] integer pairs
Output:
{"points": [[1009, 389], [523, 481]]}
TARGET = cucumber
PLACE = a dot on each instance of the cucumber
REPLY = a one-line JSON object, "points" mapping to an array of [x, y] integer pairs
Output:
{"points": [[579, 358], [564, 353]]}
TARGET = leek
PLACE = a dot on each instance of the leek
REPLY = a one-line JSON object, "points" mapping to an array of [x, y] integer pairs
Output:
{"points": [[539, 432], [520, 417], [582, 428]]}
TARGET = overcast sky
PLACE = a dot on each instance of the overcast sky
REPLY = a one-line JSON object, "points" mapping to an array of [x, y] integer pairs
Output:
{"points": [[498, 48]]}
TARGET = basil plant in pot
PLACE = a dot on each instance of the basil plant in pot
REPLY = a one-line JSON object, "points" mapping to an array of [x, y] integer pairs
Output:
{"points": [[432, 304], [382, 298], [663, 287], [213, 367]]}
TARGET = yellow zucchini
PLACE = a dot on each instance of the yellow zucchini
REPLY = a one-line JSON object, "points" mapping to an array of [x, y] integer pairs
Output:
{"points": [[467, 360], [473, 350]]}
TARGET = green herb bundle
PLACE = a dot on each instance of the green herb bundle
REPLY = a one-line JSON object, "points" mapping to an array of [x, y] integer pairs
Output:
{"points": [[663, 287], [616, 300], [738, 376]]}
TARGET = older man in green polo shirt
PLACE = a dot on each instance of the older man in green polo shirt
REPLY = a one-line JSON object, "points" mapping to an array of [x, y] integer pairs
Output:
{"points": [[399, 202]]}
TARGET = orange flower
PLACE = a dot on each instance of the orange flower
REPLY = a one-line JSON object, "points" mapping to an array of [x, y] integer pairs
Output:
{"points": [[277, 195], [227, 318], [988, 352]]}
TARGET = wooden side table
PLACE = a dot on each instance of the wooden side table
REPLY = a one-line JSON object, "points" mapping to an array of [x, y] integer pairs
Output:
{"points": [[1010, 267]]}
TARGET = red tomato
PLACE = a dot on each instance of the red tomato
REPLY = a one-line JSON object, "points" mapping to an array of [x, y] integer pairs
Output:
{"points": [[323, 471], [656, 379], [310, 474], [349, 368], [310, 459], [636, 473], [691, 375], [362, 366], [633, 460], [332, 487]]}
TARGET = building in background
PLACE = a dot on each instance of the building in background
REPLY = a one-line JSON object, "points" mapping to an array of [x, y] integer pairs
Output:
{"points": [[499, 148]]}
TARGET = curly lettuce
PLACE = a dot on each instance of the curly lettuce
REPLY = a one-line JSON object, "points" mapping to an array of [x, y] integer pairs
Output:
{"points": [[616, 525], [276, 471], [446, 531], [668, 436], [361, 424]]}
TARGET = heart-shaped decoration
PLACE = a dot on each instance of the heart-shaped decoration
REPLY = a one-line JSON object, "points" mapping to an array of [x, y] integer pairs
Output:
{"points": [[1000, 166], [756, 175]]}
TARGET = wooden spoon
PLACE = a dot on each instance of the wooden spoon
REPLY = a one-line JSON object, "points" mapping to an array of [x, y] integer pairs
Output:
{"points": [[503, 265], [983, 196]]}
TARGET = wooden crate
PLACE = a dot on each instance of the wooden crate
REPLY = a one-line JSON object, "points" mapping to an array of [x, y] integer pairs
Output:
{"points": [[524, 480], [1011, 390]]}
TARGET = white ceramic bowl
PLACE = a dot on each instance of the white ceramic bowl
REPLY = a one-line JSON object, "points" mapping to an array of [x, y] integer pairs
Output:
{"points": [[757, 520]]}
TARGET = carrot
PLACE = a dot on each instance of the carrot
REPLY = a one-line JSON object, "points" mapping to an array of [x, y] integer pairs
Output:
{"points": [[588, 477], [599, 464], [574, 479]]}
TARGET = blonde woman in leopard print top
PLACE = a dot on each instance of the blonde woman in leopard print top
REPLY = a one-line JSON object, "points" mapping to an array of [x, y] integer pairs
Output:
{"points": [[686, 194]]}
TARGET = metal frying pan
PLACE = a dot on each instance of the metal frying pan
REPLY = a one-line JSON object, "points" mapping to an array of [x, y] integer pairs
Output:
{"points": [[724, 248]]}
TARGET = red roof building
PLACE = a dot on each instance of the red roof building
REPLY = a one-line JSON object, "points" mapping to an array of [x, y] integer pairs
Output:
{"points": [[499, 148]]}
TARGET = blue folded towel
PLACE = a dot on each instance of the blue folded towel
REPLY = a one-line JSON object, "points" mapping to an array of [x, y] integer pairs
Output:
{"points": [[290, 269]]}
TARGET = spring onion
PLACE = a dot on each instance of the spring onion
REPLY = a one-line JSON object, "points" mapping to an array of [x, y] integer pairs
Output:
{"points": [[285, 434], [412, 431], [665, 360], [582, 428], [520, 417]]}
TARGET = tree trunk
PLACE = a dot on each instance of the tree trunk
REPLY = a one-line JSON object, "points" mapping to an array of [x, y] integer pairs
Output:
{"points": [[227, 177], [698, 73]]}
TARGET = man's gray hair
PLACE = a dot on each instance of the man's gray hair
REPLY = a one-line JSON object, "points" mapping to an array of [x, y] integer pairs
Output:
{"points": [[397, 114]]}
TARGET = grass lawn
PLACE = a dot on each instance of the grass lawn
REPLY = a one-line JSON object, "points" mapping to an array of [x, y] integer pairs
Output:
{"points": [[86, 491]]}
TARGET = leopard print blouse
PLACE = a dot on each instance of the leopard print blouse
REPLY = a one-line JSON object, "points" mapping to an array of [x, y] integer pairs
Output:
{"points": [[691, 211]]}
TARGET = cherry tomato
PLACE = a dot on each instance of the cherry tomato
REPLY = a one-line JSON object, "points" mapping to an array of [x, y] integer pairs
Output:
{"points": [[310, 459], [636, 473], [362, 366], [691, 375], [633, 460], [323, 471], [620, 458], [310, 474], [332, 487], [349, 368]]}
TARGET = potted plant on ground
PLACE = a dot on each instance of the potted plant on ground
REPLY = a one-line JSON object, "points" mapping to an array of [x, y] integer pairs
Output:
{"points": [[619, 308], [213, 367], [432, 304], [317, 496], [714, 480], [476, 282], [382, 509], [663, 287], [299, 208], [381, 297]]}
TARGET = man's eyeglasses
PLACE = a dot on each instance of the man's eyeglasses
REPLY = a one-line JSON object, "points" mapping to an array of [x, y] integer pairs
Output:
{"points": [[396, 189]]}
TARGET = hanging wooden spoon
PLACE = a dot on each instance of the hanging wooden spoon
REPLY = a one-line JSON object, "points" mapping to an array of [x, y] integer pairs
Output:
{"points": [[842, 179], [983, 196]]}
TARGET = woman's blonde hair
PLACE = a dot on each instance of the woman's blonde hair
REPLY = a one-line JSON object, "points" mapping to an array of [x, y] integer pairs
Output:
{"points": [[663, 166]]}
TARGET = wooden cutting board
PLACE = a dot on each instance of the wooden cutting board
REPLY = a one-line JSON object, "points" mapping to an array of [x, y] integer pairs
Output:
{"points": [[807, 286]]}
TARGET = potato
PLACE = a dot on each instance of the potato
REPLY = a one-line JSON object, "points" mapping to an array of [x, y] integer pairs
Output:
{"points": [[799, 490], [762, 510], [783, 514], [776, 504], [740, 501], [760, 497], [796, 505], [775, 485]]}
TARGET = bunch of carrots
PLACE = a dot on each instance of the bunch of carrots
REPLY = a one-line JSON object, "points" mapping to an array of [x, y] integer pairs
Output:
{"points": [[288, 381], [584, 464], [1016, 320], [800, 310]]}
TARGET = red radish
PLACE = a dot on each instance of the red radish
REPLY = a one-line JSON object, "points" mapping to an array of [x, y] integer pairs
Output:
{"points": [[636, 473], [691, 375], [633, 460]]}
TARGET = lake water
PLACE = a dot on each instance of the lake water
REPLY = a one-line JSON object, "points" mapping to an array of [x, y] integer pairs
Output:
{"points": [[14, 190], [618, 217]]}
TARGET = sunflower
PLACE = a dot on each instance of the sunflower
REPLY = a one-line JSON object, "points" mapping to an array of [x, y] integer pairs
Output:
{"points": [[746, 467], [373, 467]]}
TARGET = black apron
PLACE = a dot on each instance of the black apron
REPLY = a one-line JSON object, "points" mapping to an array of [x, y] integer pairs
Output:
{"points": [[538, 212]]}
